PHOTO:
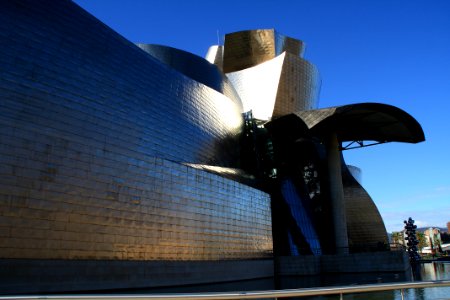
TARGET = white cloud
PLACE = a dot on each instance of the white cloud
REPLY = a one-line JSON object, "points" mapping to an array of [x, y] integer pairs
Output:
{"points": [[432, 217]]}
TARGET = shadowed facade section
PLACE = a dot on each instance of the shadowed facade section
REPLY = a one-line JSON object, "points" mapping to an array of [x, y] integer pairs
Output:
{"points": [[364, 121], [365, 227]]}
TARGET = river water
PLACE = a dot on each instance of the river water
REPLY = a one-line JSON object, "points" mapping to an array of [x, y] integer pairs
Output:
{"points": [[428, 272]]}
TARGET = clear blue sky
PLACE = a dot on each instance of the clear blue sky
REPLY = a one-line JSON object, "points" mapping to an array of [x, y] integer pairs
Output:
{"points": [[387, 51]]}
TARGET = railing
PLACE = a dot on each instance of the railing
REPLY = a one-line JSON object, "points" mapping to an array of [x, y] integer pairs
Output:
{"points": [[340, 290]]}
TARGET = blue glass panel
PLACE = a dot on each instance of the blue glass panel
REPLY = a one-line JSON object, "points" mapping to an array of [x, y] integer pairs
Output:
{"points": [[292, 246], [300, 215]]}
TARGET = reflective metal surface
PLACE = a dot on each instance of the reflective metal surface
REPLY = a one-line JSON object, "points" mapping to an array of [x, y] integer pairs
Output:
{"points": [[248, 48], [299, 87], [109, 153], [365, 226], [364, 121], [245, 49], [215, 56], [94, 134], [194, 67], [258, 86], [172, 212], [269, 73], [356, 173]]}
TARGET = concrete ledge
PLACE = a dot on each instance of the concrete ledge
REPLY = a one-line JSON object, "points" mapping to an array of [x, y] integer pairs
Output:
{"points": [[394, 261], [44, 276], [300, 265]]}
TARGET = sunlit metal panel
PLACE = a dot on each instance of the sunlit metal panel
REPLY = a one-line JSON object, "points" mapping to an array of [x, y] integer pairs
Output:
{"points": [[258, 87]]}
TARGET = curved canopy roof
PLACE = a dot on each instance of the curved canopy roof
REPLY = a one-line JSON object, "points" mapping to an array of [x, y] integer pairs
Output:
{"points": [[356, 122]]}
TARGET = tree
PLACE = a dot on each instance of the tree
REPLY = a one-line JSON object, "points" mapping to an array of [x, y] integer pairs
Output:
{"points": [[422, 240], [397, 237]]}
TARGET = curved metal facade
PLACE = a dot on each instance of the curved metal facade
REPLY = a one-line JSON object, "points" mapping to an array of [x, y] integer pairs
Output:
{"points": [[299, 86], [248, 48], [356, 173], [365, 227], [215, 56], [269, 73], [258, 86], [93, 137], [109, 153], [194, 67], [293, 134], [364, 121]]}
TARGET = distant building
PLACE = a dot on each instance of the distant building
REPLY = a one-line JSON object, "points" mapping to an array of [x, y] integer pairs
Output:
{"points": [[433, 241]]}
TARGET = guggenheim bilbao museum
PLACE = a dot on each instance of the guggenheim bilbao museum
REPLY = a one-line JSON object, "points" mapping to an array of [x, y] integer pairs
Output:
{"points": [[128, 165]]}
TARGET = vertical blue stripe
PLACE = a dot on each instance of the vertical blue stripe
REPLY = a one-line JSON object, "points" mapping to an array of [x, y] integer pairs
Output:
{"points": [[300, 215]]}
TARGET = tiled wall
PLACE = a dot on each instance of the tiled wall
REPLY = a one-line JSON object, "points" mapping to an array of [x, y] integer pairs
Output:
{"points": [[365, 226], [156, 210], [245, 49], [195, 67], [252, 60], [72, 77], [280, 86], [299, 86], [258, 86], [91, 127]]}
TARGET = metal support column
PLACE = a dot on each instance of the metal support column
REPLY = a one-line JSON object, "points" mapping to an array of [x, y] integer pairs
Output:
{"points": [[337, 195]]}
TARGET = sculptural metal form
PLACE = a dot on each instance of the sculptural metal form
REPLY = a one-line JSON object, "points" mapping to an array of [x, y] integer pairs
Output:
{"points": [[112, 155]]}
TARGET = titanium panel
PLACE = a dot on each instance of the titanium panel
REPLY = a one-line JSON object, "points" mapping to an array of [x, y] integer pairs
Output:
{"points": [[215, 56], [248, 48], [155, 210], [245, 49], [278, 86], [356, 173], [258, 87], [92, 139], [252, 61], [194, 67], [364, 121], [238, 175], [299, 86], [289, 45], [365, 227], [108, 97]]}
